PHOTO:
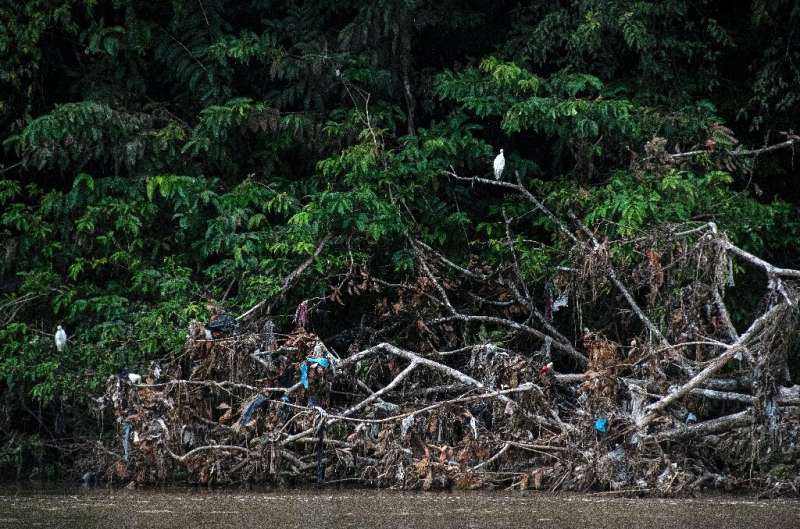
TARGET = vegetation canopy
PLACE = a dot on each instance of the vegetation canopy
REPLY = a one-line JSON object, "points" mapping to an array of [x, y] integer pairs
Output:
{"points": [[326, 167]]}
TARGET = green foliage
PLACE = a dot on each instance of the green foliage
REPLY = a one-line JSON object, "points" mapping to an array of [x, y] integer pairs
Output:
{"points": [[74, 133], [160, 155]]}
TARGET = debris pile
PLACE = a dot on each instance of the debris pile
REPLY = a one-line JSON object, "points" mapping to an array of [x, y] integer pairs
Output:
{"points": [[655, 389]]}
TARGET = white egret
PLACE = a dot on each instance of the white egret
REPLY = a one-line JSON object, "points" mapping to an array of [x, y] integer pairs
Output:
{"points": [[499, 165], [61, 339]]}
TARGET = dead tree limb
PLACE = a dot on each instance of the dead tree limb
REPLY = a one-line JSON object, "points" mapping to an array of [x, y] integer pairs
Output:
{"points": [[518, 187], [576, 355], [566, 232], [287, 282], [451, 264], [718, 363], [757, 261], [522, 300], [612, 274], [793, 139], [199, 449], [417, 360], [718, 425], [493, 458], [387, 388], [561, 344]]}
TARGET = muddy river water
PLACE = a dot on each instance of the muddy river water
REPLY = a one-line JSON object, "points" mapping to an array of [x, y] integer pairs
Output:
{"points": [[341, 509]]}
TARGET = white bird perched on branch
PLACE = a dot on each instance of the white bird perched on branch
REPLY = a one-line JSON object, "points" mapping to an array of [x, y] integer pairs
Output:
{"points": [[61, 339], [499, 165]]}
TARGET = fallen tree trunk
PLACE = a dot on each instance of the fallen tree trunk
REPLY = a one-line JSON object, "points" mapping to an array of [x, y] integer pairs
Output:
{"points": [[479, 384], [715, 366]]}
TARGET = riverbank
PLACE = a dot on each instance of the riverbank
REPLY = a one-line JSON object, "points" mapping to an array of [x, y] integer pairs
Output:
{"points": [[196, 509]]}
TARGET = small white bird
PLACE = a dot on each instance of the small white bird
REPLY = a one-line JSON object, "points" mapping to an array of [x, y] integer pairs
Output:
{"points": [[499, 165], [61, 339]]}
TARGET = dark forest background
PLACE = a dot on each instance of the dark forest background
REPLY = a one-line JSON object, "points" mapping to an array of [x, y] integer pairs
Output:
{"points": [[161, 156]]}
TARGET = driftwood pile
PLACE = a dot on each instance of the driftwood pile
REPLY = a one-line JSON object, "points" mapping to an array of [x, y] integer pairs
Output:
{"points": [[609, 376]]}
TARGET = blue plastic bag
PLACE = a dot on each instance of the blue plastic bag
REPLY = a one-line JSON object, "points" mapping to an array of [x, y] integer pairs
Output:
{"points": [[601, 425], [251, 408], [322, 362]]}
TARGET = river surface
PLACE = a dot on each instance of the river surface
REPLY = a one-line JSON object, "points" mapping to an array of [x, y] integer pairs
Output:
{"points": [[341, 509]]}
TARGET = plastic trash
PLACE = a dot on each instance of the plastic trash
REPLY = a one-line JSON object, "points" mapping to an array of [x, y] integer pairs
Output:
{"points": [[474, 425], [256, 403], [405, 425], [601, 425], [126, 433], [691, 418], [222, 326], [561, 301], [187, 436], [547, 369], [322, 362]]}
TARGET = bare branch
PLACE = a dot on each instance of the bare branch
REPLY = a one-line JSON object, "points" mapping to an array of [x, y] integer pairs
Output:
{"points": [[715, 365], [741, 152], [559, 345], [288, 281]]}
